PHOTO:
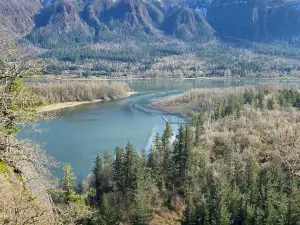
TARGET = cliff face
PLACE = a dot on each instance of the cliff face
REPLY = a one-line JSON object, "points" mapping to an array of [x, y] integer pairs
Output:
{"points": [[255, 20], [134, 14], [187, 24], [60, 22], [81, 21], [19, 204]]}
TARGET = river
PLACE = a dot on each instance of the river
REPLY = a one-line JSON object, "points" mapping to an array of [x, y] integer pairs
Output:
{"points": [[78, 134]]}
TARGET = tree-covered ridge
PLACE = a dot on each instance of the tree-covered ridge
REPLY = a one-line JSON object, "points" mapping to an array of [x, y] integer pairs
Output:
{"points": [[68, 21], [158, 39], [239, 167]]}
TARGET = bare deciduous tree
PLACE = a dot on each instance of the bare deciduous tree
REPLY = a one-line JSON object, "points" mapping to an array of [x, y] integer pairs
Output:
{"points": [[29, 204]]}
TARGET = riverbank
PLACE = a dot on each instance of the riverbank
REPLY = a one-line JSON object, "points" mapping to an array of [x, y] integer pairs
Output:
{"points": [[211, 99], [72, 79], [64, 105]]}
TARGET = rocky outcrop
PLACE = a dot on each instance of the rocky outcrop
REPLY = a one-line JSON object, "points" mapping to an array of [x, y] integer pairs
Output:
{"points": [[133, 14], [22, 199], [188, 24], [260, 20], [59, 23]]}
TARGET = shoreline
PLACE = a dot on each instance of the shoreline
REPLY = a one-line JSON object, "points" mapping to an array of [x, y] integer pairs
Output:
{"points": [[64, 105], [181, 78]]}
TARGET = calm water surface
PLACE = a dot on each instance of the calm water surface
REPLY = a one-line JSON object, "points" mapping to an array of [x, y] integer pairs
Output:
{"points": [[80, 133]]}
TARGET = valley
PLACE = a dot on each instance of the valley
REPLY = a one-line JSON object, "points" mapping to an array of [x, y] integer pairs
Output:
{"points": [[146, 39], [149, 112]]}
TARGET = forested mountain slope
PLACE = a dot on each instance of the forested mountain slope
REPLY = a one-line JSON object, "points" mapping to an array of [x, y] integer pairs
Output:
{"points": [[60, 22], [159, 39], [79, 21], [187, 24], [16, 16]]}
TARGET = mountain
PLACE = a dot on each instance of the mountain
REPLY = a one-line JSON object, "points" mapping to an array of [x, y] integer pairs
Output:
{"points": [[17, 16], [134, 14], [92, 13], [51, 23], [79, 21], [60, 22], [259, 20], [187, 24]]}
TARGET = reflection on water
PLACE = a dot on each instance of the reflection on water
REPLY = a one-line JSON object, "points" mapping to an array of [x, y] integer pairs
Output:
{"points": [[80, 133]]}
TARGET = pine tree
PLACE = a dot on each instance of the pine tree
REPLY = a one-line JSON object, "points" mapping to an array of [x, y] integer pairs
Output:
{"points": [[118, 169], [178, 160], [107, 159], [157, 143], [69, 183], [143, 158], [97, 172], [107, 214], [167, 135], [260, 99], [166, 157], [189, 216], [293, 214], [141, 208], [131, 162], [223, 196], [182, 149], [107, 184], [198, 122], [155, 165]]}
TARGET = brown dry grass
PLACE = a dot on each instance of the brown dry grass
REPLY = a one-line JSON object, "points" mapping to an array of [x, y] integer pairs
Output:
{"points": [[166, 217], [17, 204]]}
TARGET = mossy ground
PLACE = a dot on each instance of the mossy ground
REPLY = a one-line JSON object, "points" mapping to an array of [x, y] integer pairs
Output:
{"points": [[3, 167]]}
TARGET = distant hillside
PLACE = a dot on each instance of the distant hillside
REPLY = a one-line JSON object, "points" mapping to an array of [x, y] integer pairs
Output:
{"points": [[92, 13], [134, 14], [55, 23], [60, 22], [16, 16], [187, 24], [85, 21], [261, 20]]}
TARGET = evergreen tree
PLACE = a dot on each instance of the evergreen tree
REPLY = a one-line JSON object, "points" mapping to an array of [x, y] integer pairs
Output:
{"points": [[260, 99], [166, 158], [107, 214], [198, 122], [155, 165], [143, 158], [131, 168], [293, 214], [179, 157], [118, 169], [167, 135], [182, 149], [141, 208], [157, 143], [189, 216], [97, 172], [69, 183], [107, 185]]}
